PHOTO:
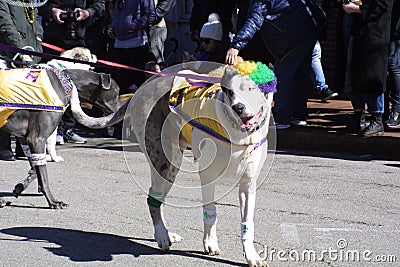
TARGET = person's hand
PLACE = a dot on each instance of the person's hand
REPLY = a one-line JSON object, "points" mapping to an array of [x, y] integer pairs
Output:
{"points": [[83, 14], [56, 12], [231, 56], [351, 8]]}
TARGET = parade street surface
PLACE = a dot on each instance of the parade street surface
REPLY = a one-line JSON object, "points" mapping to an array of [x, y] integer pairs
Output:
{"points": [[313, 209]]}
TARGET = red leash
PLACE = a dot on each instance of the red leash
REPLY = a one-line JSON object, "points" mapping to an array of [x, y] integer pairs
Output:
{"points": [[117, 65]]}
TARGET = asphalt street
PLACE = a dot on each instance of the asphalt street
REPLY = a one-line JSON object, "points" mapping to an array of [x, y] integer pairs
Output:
{"points": [[312, 210]]}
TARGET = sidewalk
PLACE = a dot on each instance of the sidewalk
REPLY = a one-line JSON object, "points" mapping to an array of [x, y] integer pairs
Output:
{"points": [[325, 132]]}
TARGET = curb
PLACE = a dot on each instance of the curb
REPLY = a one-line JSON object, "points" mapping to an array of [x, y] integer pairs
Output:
{"points": [[304, 139]]}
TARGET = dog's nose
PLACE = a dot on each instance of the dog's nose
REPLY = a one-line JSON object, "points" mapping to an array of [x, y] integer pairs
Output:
{"points": [[238, 108]]}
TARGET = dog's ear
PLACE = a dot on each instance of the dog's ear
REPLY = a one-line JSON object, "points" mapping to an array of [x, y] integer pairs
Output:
{"points": [[105, 80], [226, 80]]}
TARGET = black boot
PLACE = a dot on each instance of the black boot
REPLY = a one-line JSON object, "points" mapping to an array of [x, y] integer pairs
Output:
{"points": [[375, 127], [357, 123], [5, 147]]}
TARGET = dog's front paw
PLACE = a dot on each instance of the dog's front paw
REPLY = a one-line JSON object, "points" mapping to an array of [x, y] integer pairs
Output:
{"points": [[54, 158], [252, 257], [211, 246], [210, 240]]}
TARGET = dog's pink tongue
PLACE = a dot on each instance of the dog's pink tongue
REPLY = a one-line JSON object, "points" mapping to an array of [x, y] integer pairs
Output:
{"points": [[248, 121]]}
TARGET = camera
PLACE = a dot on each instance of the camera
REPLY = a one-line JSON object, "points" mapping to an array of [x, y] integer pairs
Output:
{"points": [[70, 23]]}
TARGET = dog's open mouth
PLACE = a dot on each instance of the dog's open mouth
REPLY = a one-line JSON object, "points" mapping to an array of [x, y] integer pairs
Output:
{"points": [[247, 122]]}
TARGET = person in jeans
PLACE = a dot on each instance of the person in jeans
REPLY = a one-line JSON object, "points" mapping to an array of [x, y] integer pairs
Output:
{"points": [[369, 58], [289, 30], [318, 73], [394, 68], [322, 89]]}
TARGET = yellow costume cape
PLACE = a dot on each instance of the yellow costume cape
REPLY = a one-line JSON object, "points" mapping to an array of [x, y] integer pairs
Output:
{"points": [[26, 89]]}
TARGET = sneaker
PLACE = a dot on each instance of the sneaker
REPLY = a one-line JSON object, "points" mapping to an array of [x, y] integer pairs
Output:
{"points": [[59, 139], [327, 94], [7, 155], [73, 137], [394, 119], [282, 126], [298, 122]]}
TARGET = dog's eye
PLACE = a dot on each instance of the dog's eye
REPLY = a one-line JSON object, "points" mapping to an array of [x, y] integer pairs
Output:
{"points": [[252, 88]]}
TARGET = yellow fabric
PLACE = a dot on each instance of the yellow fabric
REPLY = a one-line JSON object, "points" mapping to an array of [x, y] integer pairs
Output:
{"points": [[29, 87], [198, 104]]}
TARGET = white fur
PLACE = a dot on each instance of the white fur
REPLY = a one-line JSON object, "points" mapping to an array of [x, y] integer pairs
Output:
{"points": [[232, 160]]}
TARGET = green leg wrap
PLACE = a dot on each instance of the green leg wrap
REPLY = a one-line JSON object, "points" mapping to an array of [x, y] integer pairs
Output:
{"points": [[152, 202]]}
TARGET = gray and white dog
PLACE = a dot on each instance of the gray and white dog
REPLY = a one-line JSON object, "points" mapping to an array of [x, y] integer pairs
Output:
{"points": [[244, 113], [33, 127]]}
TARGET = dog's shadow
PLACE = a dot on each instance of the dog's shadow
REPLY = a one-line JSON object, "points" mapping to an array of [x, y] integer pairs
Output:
{"points": [[81, 246]]}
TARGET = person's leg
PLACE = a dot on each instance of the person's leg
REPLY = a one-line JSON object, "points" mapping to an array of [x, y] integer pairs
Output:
{"points": [[318, 74], [139, 57], [68, 127], [316, 67], [394, 71], [5, 146], [158, 35], [303, 84], [357, 123], [376, 106], [122, 77], [287, 73]]}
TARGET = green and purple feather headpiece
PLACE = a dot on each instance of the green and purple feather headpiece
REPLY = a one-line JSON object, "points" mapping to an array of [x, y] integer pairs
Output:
{"points": [[260, 73]]}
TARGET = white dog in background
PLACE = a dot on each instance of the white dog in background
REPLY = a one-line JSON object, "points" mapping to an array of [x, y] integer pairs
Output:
{"points": [[79, 53]]}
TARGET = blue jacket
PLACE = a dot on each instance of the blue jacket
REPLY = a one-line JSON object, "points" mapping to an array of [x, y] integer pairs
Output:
{"points": [[131, 21], [283, 24]]}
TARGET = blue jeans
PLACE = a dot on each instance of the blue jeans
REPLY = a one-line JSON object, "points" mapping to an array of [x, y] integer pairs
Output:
{"points": [[375, 103], [294, 78], [394, 72], [316, 66]]}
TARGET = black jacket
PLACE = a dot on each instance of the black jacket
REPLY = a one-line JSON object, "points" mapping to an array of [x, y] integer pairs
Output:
{"points": [[15, 30], [395, 31], [283, 24], [370, 48]]}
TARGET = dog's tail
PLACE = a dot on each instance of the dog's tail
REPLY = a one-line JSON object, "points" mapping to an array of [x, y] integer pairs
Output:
{"points": [[91, 122]]}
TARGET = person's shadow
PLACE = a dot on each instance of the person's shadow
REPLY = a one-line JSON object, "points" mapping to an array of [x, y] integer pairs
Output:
{"points": [[80, 246]]}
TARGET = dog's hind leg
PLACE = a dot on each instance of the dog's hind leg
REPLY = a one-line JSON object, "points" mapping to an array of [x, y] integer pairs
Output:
{"points": [[51, 148], [21, 186], [36, 140], [39, 162]]}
